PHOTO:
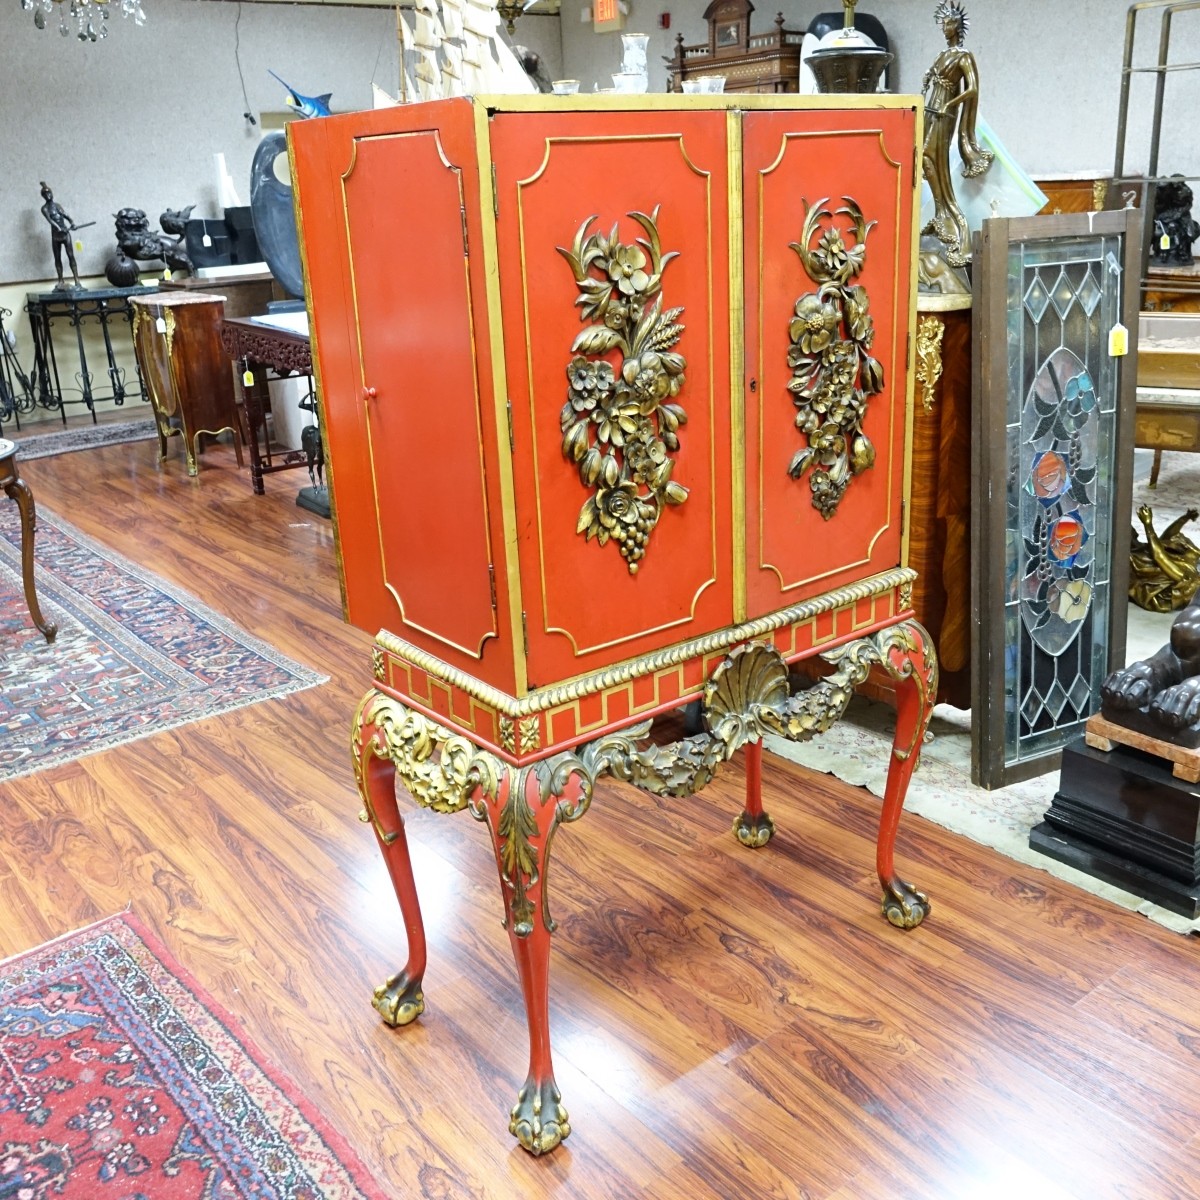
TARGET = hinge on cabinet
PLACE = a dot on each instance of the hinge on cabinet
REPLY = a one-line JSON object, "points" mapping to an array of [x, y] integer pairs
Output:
{"points": [[512, 445], [492, 584], [525, 631], [495, 194], [462, 212]]}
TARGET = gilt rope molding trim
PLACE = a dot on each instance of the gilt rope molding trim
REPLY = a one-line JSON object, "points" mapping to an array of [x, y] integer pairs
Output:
{"points": [[563, 693]]}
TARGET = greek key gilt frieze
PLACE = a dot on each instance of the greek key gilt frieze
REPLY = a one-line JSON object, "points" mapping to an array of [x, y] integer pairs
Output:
{"points": [[833, 372], [620, 424]]}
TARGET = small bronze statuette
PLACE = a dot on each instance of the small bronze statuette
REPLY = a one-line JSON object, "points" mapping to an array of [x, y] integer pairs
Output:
{"points": [[61, 228], [951, 90], [1162, 570]]}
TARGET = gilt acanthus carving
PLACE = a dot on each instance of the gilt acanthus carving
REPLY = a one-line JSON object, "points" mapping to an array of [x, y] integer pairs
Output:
{"points": [[620, 424], [441, 770], [930, 331], [833, 372]]}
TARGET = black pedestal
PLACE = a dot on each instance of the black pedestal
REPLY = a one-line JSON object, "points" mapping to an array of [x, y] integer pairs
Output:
{"points": [[1121, 816], [315, 500]]}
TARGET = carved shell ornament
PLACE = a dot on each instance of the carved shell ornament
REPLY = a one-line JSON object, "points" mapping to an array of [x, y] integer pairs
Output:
{"points": [[620, 424], [833, 373]]}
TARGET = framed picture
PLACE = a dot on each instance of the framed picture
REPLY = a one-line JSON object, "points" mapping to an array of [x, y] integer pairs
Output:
{"points": [[729, 33], [1052, 450]]}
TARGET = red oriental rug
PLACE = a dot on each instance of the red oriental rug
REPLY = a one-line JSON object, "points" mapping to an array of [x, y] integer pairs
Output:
{"points": [[120, 1078]]}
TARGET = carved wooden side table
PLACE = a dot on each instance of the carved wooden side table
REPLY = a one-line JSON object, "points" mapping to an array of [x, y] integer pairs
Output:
{"points": [[256, 349], [617, 403], [18, 490]]}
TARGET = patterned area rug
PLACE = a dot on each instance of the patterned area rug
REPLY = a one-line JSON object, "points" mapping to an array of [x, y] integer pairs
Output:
{"points": [[63, 441], [119, 1077], [856, 749], [133, 656]]}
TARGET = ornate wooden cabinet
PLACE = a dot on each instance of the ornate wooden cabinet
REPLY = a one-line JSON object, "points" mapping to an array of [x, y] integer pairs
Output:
{"points": [[177, 339], [617, 407]]}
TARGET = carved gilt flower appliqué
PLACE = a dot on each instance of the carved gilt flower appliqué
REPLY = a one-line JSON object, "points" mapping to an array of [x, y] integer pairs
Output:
{"points": [[833, 372], [620, 423]]}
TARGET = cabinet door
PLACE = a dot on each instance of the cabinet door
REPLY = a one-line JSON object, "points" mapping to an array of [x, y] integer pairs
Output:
{"points": [[390, 207], [613, 234], [829, 226]]}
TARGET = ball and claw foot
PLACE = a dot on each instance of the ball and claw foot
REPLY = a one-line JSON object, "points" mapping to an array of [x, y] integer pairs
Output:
{"points": [[753, 831], [399, 1001], [539, 1121], [904, 906]]}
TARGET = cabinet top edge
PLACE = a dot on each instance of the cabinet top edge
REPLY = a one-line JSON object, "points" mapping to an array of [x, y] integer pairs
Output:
{"points": [[677, 102]]}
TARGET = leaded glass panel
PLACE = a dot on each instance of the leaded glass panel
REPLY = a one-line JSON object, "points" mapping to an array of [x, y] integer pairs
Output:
{"points": [[1053, 458]]}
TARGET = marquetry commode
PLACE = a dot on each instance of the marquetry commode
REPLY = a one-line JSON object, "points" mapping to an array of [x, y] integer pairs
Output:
{"points": [[617, 407]]}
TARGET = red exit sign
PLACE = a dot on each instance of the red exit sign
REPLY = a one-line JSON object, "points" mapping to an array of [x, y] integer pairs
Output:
{"points": [[607, 16]]}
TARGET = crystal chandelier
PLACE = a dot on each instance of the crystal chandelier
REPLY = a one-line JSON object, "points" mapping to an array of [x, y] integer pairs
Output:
{"points": [[88, 19]]}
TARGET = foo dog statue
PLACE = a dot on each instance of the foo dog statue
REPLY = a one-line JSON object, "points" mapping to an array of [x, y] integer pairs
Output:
{"points": [[137, 242], [1160, 695]]}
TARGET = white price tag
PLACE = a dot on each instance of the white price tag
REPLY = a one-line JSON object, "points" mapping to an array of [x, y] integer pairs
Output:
{"points": [[160, 325], [1118, 341], [206, 241]]}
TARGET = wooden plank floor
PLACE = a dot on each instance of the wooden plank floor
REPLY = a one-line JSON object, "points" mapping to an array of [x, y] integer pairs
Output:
{"points": [[727, 1023]]}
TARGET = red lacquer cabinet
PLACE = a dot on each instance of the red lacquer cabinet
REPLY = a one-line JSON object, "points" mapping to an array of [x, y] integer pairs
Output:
{"points": [[616, 400]]}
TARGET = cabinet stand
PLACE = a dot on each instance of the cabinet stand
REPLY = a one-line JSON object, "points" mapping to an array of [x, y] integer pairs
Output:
{"points": [[524, 796]]}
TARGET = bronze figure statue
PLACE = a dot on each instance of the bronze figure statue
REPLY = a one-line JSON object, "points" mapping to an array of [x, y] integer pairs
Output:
{"points": [[61, 228], [1163, 574], [951, 90]]}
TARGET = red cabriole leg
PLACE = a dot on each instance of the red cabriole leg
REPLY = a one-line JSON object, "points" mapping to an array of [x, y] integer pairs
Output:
{"points": [[522, 825], [399, 999], [910, 661], [753, 827]]}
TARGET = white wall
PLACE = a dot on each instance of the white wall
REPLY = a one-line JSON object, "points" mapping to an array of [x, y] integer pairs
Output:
{"points": [[1050, 69], [135, 119]]}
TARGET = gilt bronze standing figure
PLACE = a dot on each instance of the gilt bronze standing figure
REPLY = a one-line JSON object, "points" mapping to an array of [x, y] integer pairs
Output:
{"points": [[951, 90]]}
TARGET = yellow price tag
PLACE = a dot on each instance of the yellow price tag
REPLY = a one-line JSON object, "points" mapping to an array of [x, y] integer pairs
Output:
{"points": [[78, 244], [1118, 341], [248, 378], [1164, 242], [167, 273]]}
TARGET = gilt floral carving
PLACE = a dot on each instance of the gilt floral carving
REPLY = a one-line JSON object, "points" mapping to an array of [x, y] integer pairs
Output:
{"points": [[833, 372], [620, 424]]}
